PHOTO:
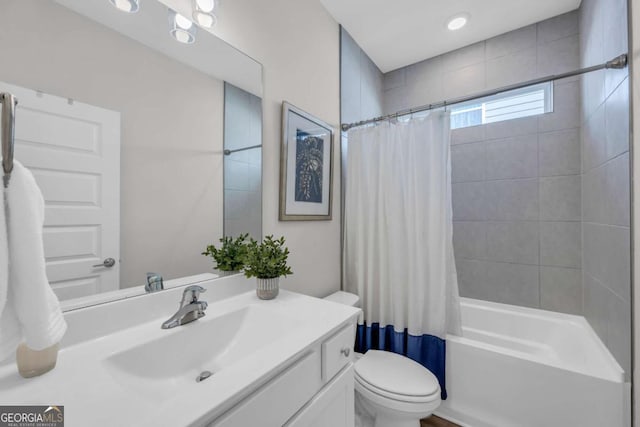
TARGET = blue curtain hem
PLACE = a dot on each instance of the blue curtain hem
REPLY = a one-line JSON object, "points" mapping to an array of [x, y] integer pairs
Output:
{"points": [[427, 350]]}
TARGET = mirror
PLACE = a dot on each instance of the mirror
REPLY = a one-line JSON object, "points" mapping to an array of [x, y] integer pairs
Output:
{"points": [[124, 129], [242, 163]]}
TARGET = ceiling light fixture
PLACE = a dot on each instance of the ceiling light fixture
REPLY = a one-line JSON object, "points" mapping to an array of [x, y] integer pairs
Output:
{"points": [[129, 6], [181, 28], [203, 13], [458, 21]]}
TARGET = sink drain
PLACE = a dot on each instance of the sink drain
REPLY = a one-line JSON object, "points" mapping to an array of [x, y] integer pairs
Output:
{"points": [[203, 376]]}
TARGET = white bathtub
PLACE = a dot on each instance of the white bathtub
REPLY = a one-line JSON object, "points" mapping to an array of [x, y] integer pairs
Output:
{"points": [[520, 367]]}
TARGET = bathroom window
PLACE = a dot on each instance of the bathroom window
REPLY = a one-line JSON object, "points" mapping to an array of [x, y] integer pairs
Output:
{"points": [[514, 104]]}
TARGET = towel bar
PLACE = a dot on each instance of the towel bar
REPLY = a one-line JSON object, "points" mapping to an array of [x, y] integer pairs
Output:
{"points": [[9, 103]]}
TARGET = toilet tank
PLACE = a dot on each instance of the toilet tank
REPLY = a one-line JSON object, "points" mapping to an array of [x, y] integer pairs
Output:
{"points": [[345, 298]]}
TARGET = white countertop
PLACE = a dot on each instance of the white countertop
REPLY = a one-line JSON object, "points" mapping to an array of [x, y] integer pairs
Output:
{"points": [[95, 394]]}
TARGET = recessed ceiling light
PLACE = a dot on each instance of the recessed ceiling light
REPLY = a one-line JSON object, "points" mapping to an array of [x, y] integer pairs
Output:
{"points": [[458, 21], [181, 28], [203, 13], [129, 6]]}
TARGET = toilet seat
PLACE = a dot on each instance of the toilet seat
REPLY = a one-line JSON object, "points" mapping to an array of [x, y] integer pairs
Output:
{"points": [[392, 376], [401, 405], [396, 396]]}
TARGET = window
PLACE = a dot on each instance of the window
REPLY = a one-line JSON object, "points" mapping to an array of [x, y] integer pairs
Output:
{"points": [[529, 101]]}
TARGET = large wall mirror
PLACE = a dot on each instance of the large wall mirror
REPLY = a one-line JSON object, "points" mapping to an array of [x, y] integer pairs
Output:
{"points": [[125, 128]]}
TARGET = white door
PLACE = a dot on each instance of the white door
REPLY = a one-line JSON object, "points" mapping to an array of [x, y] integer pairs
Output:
{"points": [[73, 150]]}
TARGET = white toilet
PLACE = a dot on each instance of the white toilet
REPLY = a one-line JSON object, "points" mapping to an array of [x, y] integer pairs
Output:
{"points": [[391, 390]]}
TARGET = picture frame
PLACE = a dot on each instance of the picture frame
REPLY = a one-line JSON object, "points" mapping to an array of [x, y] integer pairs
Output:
{"points": [[306, 166]]}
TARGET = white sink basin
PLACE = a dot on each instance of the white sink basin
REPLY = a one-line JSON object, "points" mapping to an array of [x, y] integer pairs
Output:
{"points": [[208, 344]]}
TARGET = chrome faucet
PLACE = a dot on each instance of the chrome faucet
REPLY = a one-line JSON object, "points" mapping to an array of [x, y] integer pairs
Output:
{"points": [[190, 308]]}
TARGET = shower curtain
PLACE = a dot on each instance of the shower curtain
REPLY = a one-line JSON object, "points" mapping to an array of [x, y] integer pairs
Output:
{"points": [[398, 252]]}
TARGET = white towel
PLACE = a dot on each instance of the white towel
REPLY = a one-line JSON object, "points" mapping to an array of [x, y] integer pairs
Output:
{"points": [[4, 276], [32, 311]]}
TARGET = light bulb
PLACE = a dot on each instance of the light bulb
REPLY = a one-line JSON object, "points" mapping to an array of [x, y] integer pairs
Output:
{"points": [[128, 6], [457, 22], [183, 22], [206, 20], [181, 28], [205, 5]]}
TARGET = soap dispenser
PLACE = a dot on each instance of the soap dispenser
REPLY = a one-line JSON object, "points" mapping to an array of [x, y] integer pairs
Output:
{"points": [[32, 363]]}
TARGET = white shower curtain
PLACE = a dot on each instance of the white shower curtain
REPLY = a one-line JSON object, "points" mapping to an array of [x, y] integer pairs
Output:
{"points": [[398, 253]]}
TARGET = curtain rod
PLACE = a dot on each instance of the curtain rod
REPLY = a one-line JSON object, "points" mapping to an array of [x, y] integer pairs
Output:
{"points": [[618, 62], [228, 152]]}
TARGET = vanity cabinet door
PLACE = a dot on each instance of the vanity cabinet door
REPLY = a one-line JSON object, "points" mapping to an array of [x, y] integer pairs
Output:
{"points": [[274, 403], [333, 406]]}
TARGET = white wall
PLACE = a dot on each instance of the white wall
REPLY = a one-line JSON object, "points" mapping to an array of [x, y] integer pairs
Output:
{"points": [[297, 43], [171, 162]]}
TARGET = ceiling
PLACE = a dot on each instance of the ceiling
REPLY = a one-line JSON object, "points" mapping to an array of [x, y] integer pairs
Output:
{"points": [[402, 32]]}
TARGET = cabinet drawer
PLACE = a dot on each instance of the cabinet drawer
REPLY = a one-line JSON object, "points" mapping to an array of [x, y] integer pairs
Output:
{"points": [[274, 403], [337, 351]]}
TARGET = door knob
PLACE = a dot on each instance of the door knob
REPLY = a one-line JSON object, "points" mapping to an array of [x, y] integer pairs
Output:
{"points": [[109, 262]]}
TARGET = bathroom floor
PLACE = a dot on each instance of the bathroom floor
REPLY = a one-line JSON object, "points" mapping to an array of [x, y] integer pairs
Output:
{"points": [[434, 421]]}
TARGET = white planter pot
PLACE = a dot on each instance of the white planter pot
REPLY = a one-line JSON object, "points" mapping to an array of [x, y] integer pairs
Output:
{"points": [[267, 288]]}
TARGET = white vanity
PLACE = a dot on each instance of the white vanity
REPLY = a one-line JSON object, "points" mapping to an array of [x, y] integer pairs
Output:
{"points": [[288, 361]]}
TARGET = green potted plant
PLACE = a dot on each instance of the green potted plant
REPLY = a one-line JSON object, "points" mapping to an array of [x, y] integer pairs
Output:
{"points": [[267, 261], [230, 257]]}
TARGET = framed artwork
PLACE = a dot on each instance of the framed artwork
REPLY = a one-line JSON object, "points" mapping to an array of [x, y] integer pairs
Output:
{"points": [[306, 167]]}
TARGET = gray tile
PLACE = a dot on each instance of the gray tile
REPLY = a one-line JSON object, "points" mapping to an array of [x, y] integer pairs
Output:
{"points": [[510, 69], [596, 305], [515, 242], [515, 199], [515, 283], [617, 191], [424, 81], [607, 257], [350, 79], [559, 152], [561, 289], [607, 192], [511, 42], [468, 162], [463, 57], [593, 93], [558, 27], [236, 175], [615, 40], [566, 108], [594, 205], [394, 79], [561, 244], [370, 88], [560, 198], [558, 56], [619, 332], [515, 157], [255, 178], [468, 134], [617, 121], [470, 239], [594, 147], [509, 128], [469, 201], [235, 203], [396, 99], [464, 81], [430, 69], [472, 279], [591, 23]]}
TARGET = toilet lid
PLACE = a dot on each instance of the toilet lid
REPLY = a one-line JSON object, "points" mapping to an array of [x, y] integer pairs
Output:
{"points": [[396, 374]]}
